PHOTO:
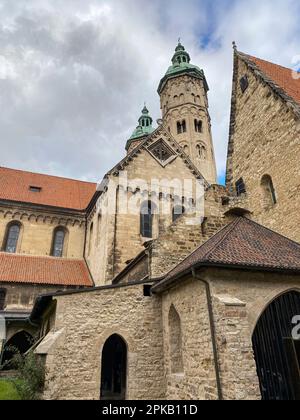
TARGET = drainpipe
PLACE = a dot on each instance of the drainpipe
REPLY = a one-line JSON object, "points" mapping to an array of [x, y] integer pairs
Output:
{"points": [[213, 333]]}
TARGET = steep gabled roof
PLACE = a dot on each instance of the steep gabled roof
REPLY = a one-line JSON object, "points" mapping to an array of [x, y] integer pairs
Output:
{"points": [[16, 268], [242, 244], [283, 81], [159, 131], [52, 190]]}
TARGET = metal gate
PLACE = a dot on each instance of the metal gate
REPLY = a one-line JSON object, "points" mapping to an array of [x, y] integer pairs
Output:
{"points": [[277, 353]]}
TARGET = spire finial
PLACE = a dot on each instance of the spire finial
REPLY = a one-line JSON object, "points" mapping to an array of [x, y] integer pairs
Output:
{"points": [[234, 45], [179, 40]]}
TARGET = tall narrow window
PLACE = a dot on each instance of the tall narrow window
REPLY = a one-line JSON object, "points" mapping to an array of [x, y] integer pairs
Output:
{"points": [[198, 126], [2, 298], [147, 213], [91, 237], [240, 187], [185, 148], [175, 341], [268, 190], [99, 228], [178, 211], [201, 151], [58, 242], [11, 238], [181, 127]]}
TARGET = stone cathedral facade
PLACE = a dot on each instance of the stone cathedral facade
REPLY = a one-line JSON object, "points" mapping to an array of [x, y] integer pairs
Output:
{"points": [[159, 283]]}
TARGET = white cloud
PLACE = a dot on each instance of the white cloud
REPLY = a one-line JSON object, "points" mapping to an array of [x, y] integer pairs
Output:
{"points": [[77, 73]]}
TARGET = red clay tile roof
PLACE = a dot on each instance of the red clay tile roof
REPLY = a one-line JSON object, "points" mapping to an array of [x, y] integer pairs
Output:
{"points": [[281, 76], [243, 243], [16, 268], [55, 191]]}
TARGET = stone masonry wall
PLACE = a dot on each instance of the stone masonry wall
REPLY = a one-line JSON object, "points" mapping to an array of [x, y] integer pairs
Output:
{"points": [[265, 141], [197, 379], [115, 238], [86, 321], [239, 299], [181, 238]]}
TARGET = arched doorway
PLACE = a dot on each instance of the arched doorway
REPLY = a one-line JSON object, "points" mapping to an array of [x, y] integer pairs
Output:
{"points": [[276, 351], [114, 369], [18, 343]]}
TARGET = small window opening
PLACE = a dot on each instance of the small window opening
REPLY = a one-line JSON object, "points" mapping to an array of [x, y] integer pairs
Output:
{"points": [[198, 126], [240, 187], [35, 189], [147, 290], [244, 83]]}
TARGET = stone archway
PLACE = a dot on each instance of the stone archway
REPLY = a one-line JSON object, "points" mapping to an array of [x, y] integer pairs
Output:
{"points": [[277, 350], [18, 343], [114, 369]]}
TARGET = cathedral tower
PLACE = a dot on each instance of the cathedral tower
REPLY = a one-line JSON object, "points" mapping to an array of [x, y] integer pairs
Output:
{"points": [[183, 95]]}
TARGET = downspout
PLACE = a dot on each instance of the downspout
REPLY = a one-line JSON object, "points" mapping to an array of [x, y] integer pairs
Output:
{"points": [[213, 333]]}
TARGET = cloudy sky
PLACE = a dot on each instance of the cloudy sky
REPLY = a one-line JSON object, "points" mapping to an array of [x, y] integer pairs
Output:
{"points": [[74, 74]]}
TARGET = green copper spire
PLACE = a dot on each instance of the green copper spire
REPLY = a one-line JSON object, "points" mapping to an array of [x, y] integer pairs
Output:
{"points": [[181, 65], [143, 129], [180, 56]]}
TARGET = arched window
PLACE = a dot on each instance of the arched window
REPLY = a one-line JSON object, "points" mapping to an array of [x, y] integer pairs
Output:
{"points": [[147, 212], [181, 98], [201, 151], [58, 243], [2, 298], [12, 237], [177, 212], [198, 126], [181, 127], [175, 341], [268, 191], [91, 237]]}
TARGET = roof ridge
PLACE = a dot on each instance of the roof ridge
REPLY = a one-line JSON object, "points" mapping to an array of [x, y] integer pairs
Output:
{"points": [[266, 61], [48, 175], [282, 91]]}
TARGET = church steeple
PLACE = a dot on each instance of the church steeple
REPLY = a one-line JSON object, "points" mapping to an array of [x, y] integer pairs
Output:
{"points": [[181, 64], [144, 128], [184, 104]]}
